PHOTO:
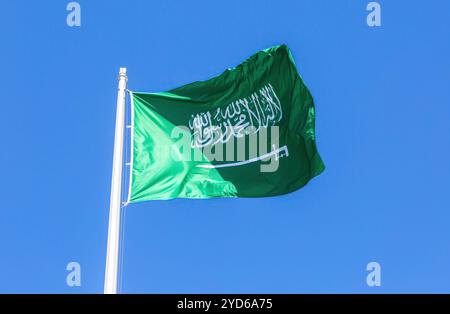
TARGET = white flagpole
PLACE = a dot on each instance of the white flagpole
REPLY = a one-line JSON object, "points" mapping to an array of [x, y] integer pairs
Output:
{"points": [[112, 253]]}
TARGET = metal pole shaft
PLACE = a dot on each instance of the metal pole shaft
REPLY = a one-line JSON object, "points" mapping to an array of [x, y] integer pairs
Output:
{"points": [[112, 253]]}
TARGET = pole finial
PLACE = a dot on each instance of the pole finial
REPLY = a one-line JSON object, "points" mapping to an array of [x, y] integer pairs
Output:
{"points": [[123, 73]]}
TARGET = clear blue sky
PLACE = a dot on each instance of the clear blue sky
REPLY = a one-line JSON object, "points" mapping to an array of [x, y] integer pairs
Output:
{"points": [[383, 129]]}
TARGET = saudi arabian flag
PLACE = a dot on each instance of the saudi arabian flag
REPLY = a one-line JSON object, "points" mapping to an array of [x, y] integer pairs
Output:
{"points": [[248, 132]]}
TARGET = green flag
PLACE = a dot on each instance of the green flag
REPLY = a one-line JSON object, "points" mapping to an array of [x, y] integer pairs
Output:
{"points": [[248, 132]]}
